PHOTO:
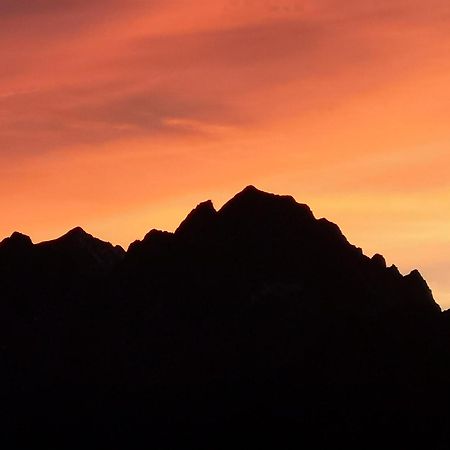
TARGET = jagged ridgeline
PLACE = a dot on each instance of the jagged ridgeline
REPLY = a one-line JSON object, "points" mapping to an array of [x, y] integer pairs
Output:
{"points": [[257, 319]]}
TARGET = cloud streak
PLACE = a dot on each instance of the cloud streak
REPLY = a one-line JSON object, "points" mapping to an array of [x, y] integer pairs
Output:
{"points": [[160, 101], [107, 83]]}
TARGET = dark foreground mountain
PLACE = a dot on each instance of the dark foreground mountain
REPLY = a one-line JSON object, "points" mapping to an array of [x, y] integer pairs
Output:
{"points": [[253, 326]]}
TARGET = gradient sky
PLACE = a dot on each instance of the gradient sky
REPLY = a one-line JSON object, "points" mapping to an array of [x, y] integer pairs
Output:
{"points": [[121, 115]]}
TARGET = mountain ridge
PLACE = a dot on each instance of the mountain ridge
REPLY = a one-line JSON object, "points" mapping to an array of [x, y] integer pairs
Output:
{"points": [[256, 317], [203, 211], [249, 211]]}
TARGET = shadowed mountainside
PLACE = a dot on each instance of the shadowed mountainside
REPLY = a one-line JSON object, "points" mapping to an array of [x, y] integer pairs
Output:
{"points": [[256, 320]]}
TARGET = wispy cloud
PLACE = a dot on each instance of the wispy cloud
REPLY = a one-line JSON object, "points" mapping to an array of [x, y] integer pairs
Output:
{"points": [[109, 105]]}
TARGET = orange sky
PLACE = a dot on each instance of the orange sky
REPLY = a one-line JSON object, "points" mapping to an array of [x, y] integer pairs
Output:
{"points": [[121, 115]]}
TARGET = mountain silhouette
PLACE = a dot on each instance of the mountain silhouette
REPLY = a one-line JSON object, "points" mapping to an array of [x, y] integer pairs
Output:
{"points": [[254, 325]]}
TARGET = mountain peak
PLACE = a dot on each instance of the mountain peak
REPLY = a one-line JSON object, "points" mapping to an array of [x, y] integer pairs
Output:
{"points": [[77, 232], [205, 207], [20, 237], [379, 260], [154, 234], [17, 240], [75, 235], [251, 201], [250, 189], [198, 219]]}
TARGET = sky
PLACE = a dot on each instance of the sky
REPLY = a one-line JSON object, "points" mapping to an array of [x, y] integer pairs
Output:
{"points": [[121, 115]]}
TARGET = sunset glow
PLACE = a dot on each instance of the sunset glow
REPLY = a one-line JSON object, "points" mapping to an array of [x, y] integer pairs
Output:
{"points": [[121, 115]]}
